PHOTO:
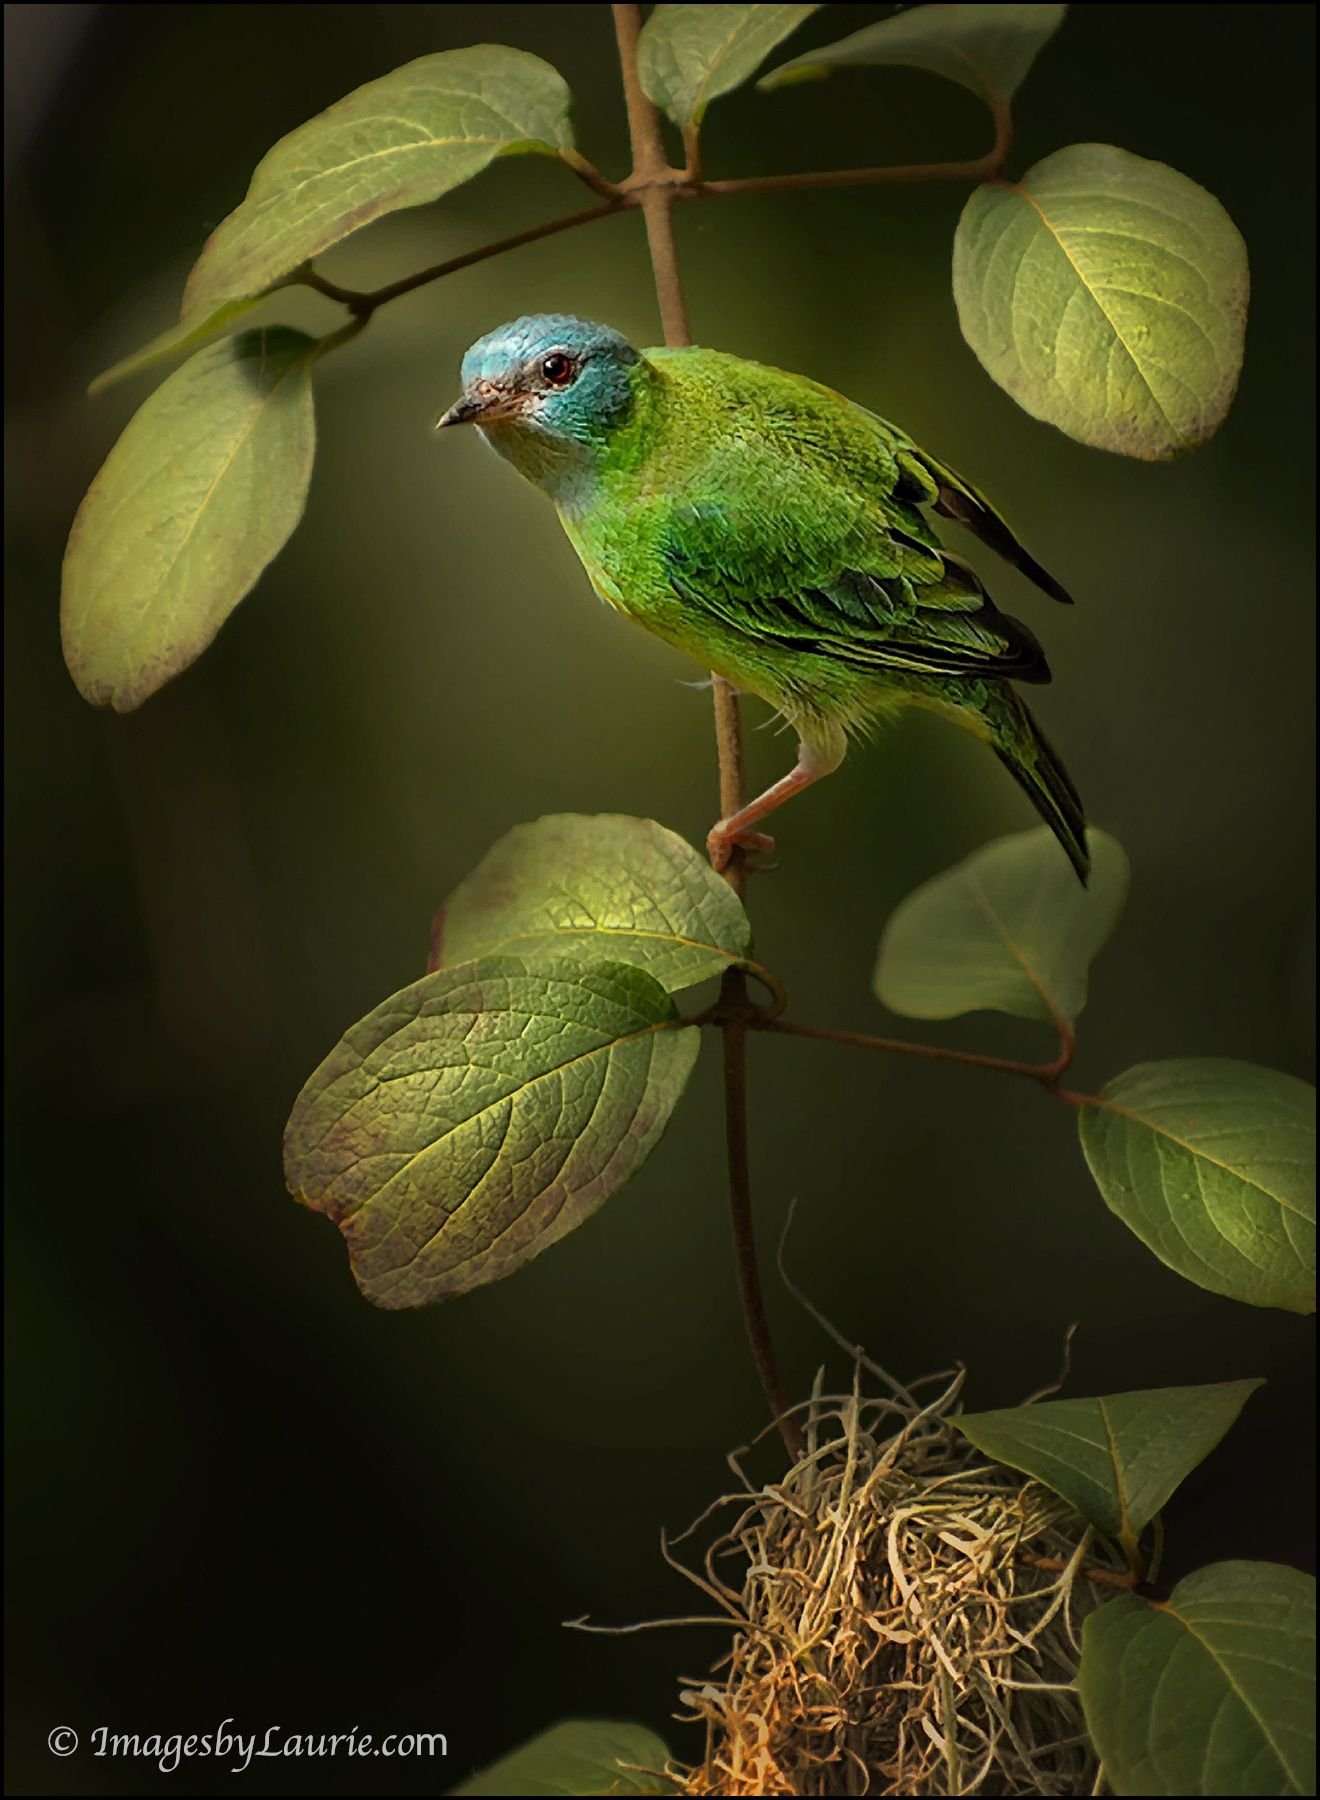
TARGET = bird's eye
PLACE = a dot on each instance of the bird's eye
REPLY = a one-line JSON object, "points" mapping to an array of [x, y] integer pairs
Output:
{"points": [[557, 369]]}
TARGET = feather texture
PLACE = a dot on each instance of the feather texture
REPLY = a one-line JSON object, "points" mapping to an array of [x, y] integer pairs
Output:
{"points": [[779, 534]]}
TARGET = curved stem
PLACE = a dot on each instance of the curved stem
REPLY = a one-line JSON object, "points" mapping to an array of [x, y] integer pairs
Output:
{"points": [[1047, 1074], [364, 304], [588, 172], [734, 1034], [979, 168], [655, 187]]}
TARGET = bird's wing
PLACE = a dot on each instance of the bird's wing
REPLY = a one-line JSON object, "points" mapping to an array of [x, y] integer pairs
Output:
{"points": [[931, 483], [828, 575]]}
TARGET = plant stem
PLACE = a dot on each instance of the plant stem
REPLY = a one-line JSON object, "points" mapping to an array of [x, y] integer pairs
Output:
{"points": [[1054, 1565], [655, 185], [651, 179], [734, 1035], [656, 188], [979, 168], [1047, 1074], [364, 304]]}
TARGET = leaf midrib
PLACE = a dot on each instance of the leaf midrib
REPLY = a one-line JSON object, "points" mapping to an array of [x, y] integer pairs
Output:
{"points": [[1172, 1612], [1150, 1125], [1179, 435], [509, 1099], [224, 470]]}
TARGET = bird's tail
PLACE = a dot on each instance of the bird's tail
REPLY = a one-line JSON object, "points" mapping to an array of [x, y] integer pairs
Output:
{"points": [[1030, 758]]}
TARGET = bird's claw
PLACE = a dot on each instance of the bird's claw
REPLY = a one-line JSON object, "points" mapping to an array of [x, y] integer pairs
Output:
{"points": [[721, 844]]}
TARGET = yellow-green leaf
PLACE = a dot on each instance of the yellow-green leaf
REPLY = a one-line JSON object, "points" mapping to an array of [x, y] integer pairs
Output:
{"points": [[479, 1115], [1108, 295], [400, 141], [689, 55], [1212, 1164], [201, 492], [1008, 930], [1211, 1691], [988, 49], [603, 887]]}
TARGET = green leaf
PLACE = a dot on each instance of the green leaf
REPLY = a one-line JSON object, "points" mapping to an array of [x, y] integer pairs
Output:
{"points": [[1210, 1692], [581, 1756], [201, 492], [1008, 930], [587, 888], [1212, 1164], [476, 1117], [188, 334], [688, 55], [988, 49], [401, 141], [1116, 1459], [1108, 295]]}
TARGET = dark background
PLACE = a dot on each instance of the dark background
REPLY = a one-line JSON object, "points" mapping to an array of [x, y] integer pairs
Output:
{"points": [[235, 1488]]}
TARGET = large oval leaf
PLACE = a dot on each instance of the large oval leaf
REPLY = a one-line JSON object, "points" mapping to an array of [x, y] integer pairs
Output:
{"points": [[590, 888], [1212, 1692], [690, 54], [1108, 295], [1008, 930], [202, 490], [1212, 1164], [988, 49], [479, 1115], [581, 1756], [400, 141], [1116, 1459]]}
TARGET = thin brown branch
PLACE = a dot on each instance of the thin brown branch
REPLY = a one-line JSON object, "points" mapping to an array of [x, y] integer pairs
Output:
{"points": [[1115, 1578], [979, 168], [364, 304], [744, 1232], [656, 186], [1047, 1074], [652, 180]]}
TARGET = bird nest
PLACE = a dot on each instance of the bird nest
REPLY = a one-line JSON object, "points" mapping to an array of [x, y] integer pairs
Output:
{"points": [[906, 1616]]}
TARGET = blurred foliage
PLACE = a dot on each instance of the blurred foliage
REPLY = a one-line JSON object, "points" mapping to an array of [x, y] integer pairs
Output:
{"points": [[234, 1488]]}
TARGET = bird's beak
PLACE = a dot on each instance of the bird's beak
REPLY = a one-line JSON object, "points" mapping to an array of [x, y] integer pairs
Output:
{"points": [[480, 405]]}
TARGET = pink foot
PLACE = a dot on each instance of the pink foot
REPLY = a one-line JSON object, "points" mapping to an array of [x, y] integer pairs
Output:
{"points": [[721, 844]]}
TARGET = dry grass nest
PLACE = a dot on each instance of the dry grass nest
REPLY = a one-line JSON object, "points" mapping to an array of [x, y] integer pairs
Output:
{"points": [[905, 1615]]}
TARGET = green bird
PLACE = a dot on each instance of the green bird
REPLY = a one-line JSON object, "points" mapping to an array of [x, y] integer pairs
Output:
{"points": [[775, 531]]}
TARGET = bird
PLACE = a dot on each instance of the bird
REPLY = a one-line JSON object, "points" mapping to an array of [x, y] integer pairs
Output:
{"points": [[777, 532]]}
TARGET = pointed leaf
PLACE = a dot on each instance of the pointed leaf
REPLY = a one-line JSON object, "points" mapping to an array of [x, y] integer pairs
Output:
{"points": [[1210, 1692], [188, 334], [1212, 1164], [1108, 295], [1116, 1459], [476, 1117], [581, 1756], [1008, 930], [590, 888], [988, 49], [201, 492], [401, 141], [688, 55]]}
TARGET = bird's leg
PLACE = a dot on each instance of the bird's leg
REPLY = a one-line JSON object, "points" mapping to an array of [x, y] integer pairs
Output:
{"points": [[818, 755]]}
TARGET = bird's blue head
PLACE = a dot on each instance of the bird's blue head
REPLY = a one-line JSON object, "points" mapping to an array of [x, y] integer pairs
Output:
{"points": [[548, 392]]}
